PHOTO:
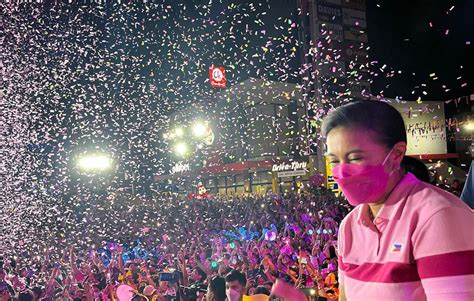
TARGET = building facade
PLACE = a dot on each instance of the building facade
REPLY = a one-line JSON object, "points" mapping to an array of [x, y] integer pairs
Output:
{"points": [[260, 124], [258, 127]]}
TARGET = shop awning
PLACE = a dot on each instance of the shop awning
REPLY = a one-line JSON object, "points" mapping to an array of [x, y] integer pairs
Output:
{"points": [[217, 169], [238, 166], [435, 156]]}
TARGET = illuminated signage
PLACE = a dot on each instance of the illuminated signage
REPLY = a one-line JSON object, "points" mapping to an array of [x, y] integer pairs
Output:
{"points": [[289, 166], [180, 167], [217, 77]]}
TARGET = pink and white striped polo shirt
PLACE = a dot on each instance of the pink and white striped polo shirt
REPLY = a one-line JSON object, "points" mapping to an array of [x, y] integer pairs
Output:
{"points": [[419, 247]]}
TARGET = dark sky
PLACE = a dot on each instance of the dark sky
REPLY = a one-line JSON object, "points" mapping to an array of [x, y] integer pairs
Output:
{"points": [[401, 37]]}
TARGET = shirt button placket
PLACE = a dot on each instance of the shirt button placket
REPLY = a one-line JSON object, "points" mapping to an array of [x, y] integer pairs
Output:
{"points": [[378, 227]]}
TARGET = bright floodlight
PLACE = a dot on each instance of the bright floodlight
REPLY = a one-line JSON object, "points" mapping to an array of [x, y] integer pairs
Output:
{"points": [[94, 162], [470, 125], [199, 129], [179, 132], [181, 149]]}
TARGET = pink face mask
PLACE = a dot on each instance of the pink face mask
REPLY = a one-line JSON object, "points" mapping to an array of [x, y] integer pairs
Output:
{"points": [[362, 184]]}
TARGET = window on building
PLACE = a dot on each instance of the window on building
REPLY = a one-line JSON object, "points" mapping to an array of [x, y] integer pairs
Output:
{"points": [[239, 179], [239, 189], [230, 180], [286, 186], [210, 183], [221, 181], [261, 188], [261, 177]]}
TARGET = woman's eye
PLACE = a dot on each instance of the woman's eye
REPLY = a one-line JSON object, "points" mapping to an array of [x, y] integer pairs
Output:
{"points": [[355, 159]]}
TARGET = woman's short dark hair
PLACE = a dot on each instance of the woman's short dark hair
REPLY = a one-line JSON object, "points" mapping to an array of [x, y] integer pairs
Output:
{"points": [[378, 116], [417, 168], [217, 288], [332, 252]]}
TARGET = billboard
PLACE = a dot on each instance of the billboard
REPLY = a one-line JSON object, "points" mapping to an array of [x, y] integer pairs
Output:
{"points": [[352, 17], [339, 33], [334, 31], [425, 125], [354, 4], [330, 13], [355, 34]]}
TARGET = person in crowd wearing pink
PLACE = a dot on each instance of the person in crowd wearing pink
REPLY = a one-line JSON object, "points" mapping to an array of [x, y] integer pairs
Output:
{"points": [[405, 239]]}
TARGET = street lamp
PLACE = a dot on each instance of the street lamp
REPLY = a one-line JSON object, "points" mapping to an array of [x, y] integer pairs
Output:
{"points": [[199, 129], [469, 125], [94, 163], [179, 132], [181, 149]]}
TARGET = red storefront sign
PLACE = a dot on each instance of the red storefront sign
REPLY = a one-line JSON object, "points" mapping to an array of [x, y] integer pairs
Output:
{"points": [[217, 77], [199, 196]]}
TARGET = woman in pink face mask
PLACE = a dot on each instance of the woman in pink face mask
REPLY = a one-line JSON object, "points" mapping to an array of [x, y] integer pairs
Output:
{"points": [[405, 239]]}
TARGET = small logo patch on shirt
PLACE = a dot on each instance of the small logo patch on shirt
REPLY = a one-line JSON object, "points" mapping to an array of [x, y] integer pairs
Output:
{"points": [[396, 247]]}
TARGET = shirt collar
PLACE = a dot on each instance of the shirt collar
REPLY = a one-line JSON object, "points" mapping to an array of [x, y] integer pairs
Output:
{"points": [[393, 206], [363, 216]]}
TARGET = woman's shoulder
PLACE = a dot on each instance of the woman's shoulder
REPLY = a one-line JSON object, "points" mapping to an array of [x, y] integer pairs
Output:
{"points": [[428, 197], [426, 201]]}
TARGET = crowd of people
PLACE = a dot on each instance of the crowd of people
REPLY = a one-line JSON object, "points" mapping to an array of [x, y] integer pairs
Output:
{"points": [[203, 249], [174, 248]]}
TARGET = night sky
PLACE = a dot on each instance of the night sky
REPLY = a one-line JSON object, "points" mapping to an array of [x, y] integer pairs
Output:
{"points": [[400, 36]]}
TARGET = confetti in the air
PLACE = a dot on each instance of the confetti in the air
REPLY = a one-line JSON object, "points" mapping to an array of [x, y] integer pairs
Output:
{"points": [[107, 78]]}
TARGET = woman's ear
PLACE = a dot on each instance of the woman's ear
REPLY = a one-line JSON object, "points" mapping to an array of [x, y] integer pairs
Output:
{"points": [[399, 151]]}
